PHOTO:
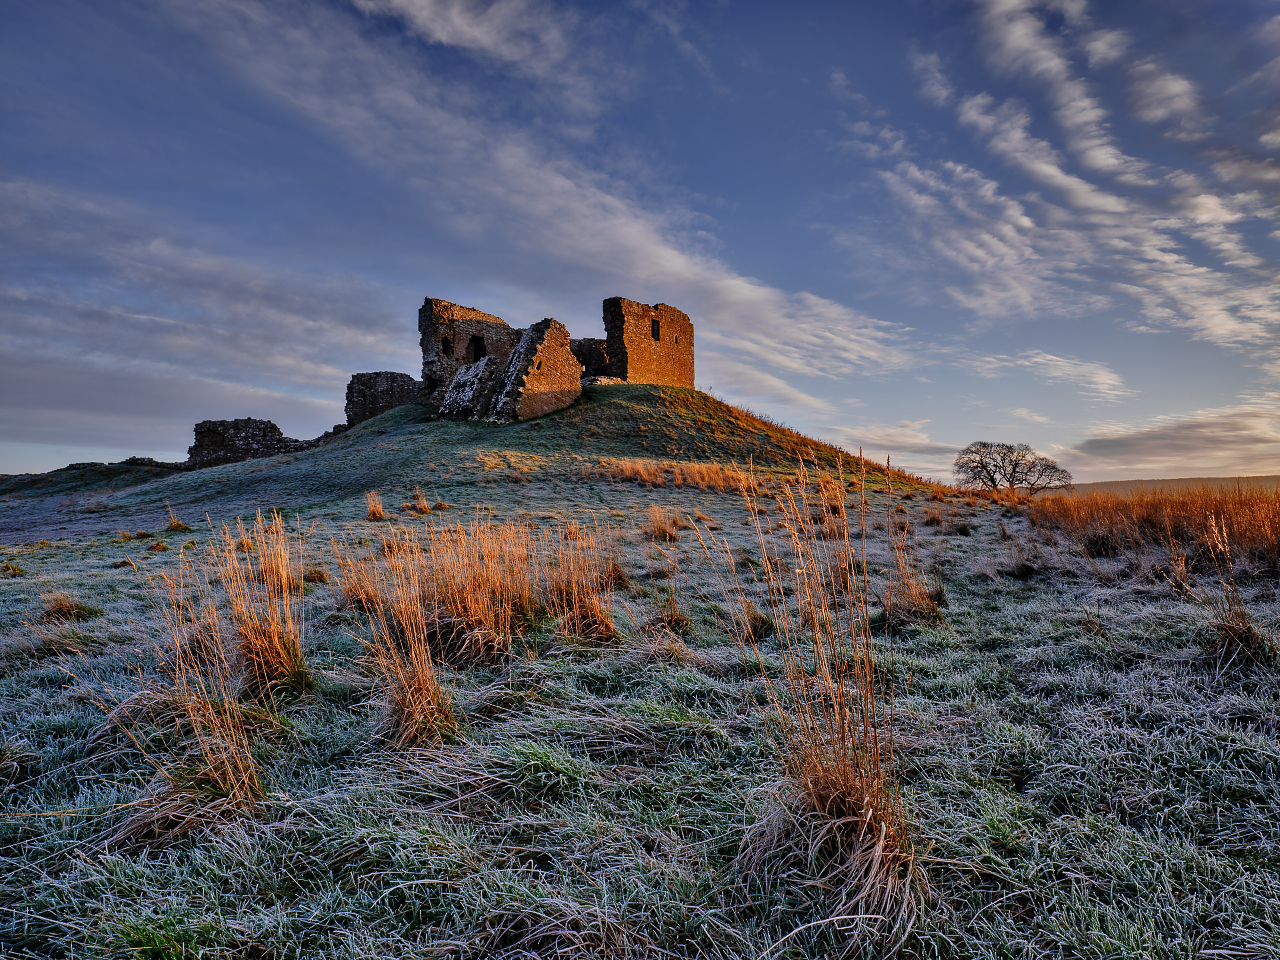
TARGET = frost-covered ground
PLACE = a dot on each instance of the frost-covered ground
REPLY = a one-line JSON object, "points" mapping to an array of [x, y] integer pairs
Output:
{"points": [[1080, 779]]}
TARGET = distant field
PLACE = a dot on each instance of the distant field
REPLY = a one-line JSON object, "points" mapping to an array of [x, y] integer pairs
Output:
{"points": [[1183, 483]]}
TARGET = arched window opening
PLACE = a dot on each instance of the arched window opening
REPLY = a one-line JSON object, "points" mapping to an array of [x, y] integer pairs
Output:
{"points": [[476, 349], [446, 346], [657, 329]]}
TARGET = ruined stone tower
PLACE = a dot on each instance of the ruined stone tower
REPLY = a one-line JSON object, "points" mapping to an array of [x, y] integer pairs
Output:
{"points": [[648, 344], [476, 367]]}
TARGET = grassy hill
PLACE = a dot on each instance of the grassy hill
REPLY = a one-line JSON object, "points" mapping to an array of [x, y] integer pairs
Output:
{"points": [[408, 448]]}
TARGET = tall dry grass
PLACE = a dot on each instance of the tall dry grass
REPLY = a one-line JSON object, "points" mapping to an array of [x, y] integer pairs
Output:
{"points": [[1247, 517], [419, 707], [725, 478], [190, 726], [838, 814], [1236, 636], [477, 586], [373, 501], [261, 569], [1218, 533]]}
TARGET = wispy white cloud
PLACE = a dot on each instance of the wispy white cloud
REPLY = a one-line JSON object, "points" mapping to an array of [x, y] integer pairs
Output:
{"points": [[934, 85], [1160, 96], [1105, 47], [1242, 439], [1096, 380], [1076, 245], [1027, 414], [1018, 43]]}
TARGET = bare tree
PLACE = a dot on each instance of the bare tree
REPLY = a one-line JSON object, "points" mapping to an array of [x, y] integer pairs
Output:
{"points": [[984, 465]]}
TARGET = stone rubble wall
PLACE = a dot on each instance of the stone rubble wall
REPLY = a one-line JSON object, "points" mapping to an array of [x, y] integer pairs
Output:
{"points": [[542, 375], [369, 394], [476, 367], [635, 355], [446, 332], [472, 388], [230, 441]]}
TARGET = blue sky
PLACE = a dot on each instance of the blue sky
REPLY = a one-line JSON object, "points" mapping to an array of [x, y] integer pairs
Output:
{"points": [[897, 226]]}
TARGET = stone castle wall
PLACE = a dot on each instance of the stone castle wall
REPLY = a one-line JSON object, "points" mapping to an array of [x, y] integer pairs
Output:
{"points": [[453, 336], [230, 441], [369, 394], [593, 355], [542, 375], [648, 344]]}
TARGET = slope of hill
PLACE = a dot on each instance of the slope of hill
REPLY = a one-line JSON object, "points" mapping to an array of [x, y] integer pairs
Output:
{"points": [[407, 448]]}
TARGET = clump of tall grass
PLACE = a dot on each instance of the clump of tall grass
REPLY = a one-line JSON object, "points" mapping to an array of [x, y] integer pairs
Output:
{"points": [[1247, 520], [419, 503], [63, 608], [419, 708], [373, 501], [190, 725], [176, 525], [908, 599], [265, 604], [661, 524], [660, 473], [838, 814], [1236, 636], [481, 584]]}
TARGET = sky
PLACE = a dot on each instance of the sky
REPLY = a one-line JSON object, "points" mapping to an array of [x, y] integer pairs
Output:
{"points": [[899, 227]]}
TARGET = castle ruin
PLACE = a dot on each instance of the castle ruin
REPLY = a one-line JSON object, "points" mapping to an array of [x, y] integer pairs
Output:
{"points": [[477, 367]]}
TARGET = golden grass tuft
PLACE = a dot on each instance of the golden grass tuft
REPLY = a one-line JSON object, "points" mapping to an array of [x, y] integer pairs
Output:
{"points": [[481, 584], [63, 608], [419, 503], [419, 708], [838, 813], [191, 727], [176, 525], [265, 605], [1236, 636], [661, 524], [373, 501]]}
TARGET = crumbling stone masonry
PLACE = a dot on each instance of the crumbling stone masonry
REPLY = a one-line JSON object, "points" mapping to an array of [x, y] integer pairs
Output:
{"points": [[540, 375], [476, 367], [648, 344], [230, 441], [593, 355], [453, 336], [369, 394]]}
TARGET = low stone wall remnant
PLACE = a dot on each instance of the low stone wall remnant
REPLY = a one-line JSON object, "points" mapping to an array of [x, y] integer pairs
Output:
{"points": [[369, 394], [230, 441]]}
